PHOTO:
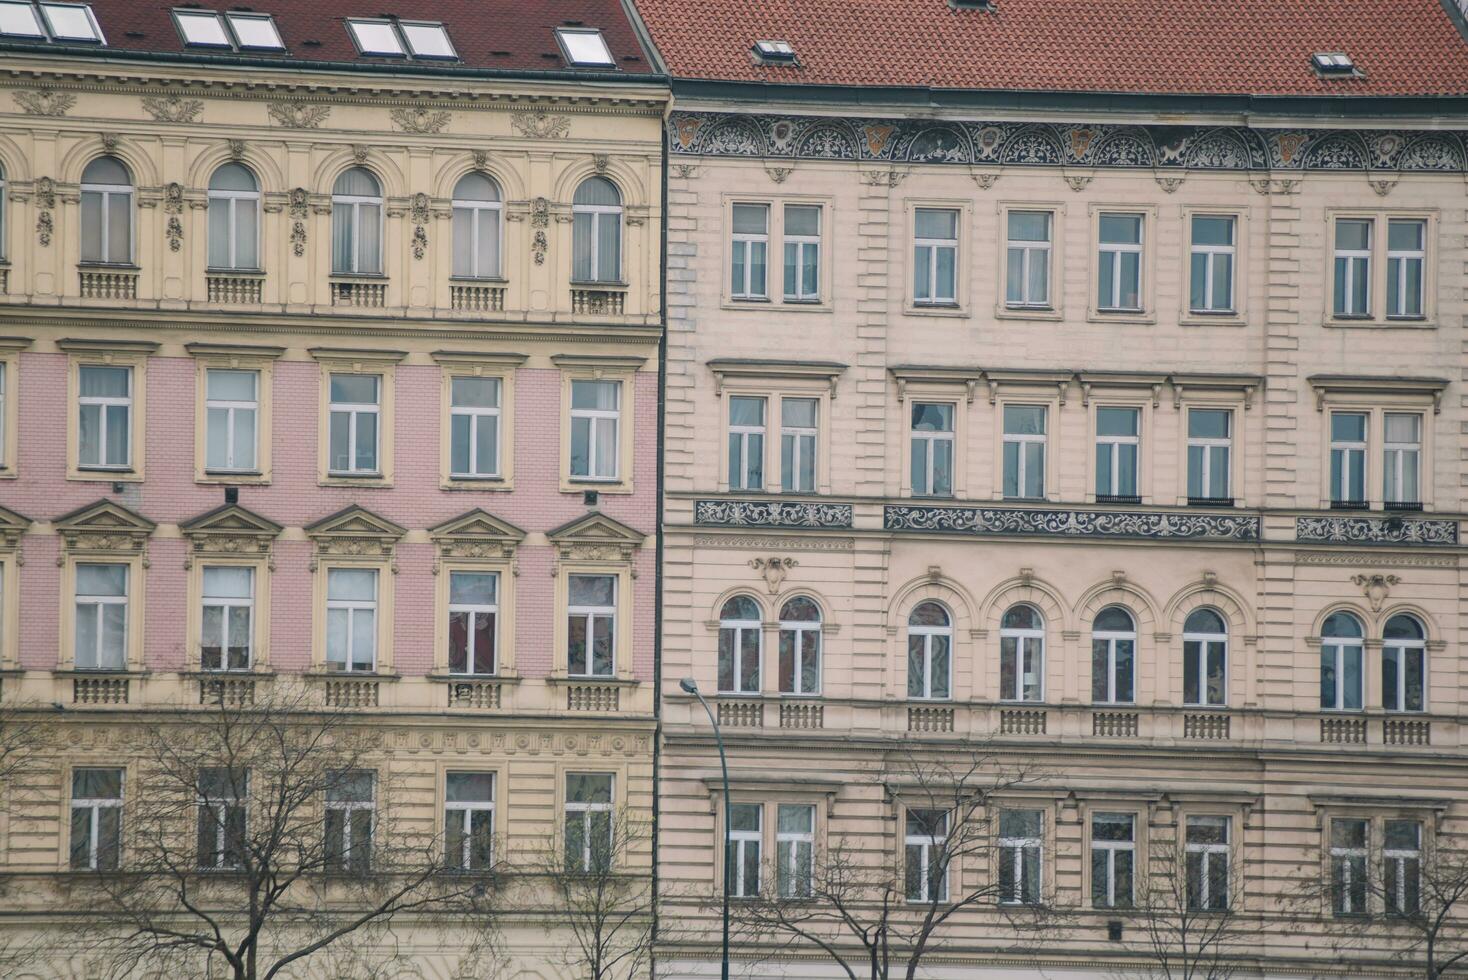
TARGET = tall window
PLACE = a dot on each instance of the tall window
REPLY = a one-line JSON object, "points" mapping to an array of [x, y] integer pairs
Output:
{"points": [[746, 443], [794, 850], [1113, 859], [1404, 665], [1353, 267], [1113, 657], [1402, 458], [596, 236], [227, 621], [1212, 288], [800, 647], [234, 218], [107, 212], [802, 253], [231, 409], [1118, 442], [4, 407], [1021, 654], [1348, 458], [1210, 443], [1021, 845], [932, 449], [473, 610], [477, 211], [1206, 856], [1205, 659], [1406, 254], [591, 626], [1341, 675], [2, 214], [351, 619], [739, 646], [101, 617], [1027, 260], [1348, 854], [468, 821], [1119, 268], [356, 224], [349, 812], [1401, 859], [96, 819], [798, 444], [935, 257], [588, 821], [742, 860], [355, 410], [223, 796], [104, 427], [749, 252], [474, 427], [1024, 451], [929, 652], [926, 855], [595, 419]]}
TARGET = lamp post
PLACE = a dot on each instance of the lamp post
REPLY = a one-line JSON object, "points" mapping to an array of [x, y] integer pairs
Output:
{"points": [[690, 687]]}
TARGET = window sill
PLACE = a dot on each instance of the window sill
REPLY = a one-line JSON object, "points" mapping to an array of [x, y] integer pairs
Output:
{"points": [[101, 672], [350, 480], [1210, 501], [98, 475], [581, 484], [255, 673], [1397, 505], [485, 484], [1027, 313], [748, 301], [1350, 505], [1372, 323], [109, 266], [615, 680], [503, 677], [241, 273], [480, 280], [1203, 318], [321, 673], [610, 285], [1105, 498], [1139, 317], [232, 477], [357, 277], [936, 309]]}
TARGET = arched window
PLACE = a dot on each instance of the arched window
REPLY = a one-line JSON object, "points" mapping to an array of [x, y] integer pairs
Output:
{"points": [[739, 646], [1113, 656], [1205, 658], [1404, 665], [1022, 655], [476, 228], [356, 224], [234, 219], [1341, 676], [929, 652], [597, 232], [800, 647], [107, 212]]}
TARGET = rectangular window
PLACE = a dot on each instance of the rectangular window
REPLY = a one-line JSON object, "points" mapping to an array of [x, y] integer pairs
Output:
{"points": [[1113, 658], [588, 835], [1402, 458], [802, 253], [1210, 444], [742, 859], [222, 799], [96, 819], [585, 47], [104, 428], [1027, 262], [795, 850], [1113, 859], [355, 410], [800, 648], [932, 449], [71, 22], [1118, 443], [1406, 256], [349, 811], [20, 20], [1353, 267], [1401, 876], [101, 617], [231, 408], [926, 855], [1205, 662], [1212, 275], [591, 626], [1024, 451], [427, 39], [351, 619], [474, 428], [595, 420], [255, 31], [746, 443], [4, 404], [473, 610], [228, 617], [1348, 851], [1119, 267], [376, 37], [468, 821], [798, 444], [935, 257], [749, 252], [1207, 863], [1348, 459], [202, 28], [1020, 849]]}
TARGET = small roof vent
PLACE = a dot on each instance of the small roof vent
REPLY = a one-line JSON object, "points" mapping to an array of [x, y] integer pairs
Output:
{"points": [[772, 52], [971, 4], [1333, 64]]}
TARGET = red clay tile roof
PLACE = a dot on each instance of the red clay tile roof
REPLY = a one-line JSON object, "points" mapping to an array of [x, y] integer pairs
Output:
{"points": [[516, 35], [1226, 47]]}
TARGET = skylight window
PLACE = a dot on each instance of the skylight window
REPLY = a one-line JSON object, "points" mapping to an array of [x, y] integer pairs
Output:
{"points": [[20, 20], [427, 40], [230, 31], [64, 22], [776, 52], [402, 39], [377, 37], [202, 29], [255, 32], [1333, 63], [585, 46]]}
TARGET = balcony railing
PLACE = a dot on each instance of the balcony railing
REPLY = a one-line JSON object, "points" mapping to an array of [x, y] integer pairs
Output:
{"points": [[741, 714], [234, 288], [598, 299], [483, 695], [97, 283], [365, 293], [100, 690], [802, 714], [472, 297]]}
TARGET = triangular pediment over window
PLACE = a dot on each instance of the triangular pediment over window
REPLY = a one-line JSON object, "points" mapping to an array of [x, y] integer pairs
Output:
{"points": [[355, 531], [104, 526], [477, 534], [12, 526], [230, 529], [595, 537]]}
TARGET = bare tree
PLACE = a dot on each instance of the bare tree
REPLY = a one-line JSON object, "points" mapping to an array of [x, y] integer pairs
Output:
{"points": [[1185, 908], [20, 739]]}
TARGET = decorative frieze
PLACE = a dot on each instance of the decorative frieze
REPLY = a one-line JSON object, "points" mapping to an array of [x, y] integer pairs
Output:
{"points": [[759, 542], [541, 125], [771, 513], [173, 108], [44, 102], [1375, 530], [1071, 523], [420, 120], [298, 115]]}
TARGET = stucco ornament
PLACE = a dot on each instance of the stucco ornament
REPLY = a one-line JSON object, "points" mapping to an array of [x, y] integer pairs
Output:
{"points": [[541, 125], [539, 220], [774, 569], [44, 102], [173, 108], [298, 115], [45, 202], [299, 201], [420, 120], [1376, 587]]}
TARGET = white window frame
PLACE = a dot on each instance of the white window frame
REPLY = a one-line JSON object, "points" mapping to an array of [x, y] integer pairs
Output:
{"points": [[928, 845], [353, 607], [742, 242], [233, 200], [789, 482], [107, 403], [352, 410], [1022, 440], [1208, 443], [599, 213], [230, 407], [1211, 852], [465, 810], [1013, 849], [598, 420], [1394, 459], [220, 808], [227, 604], [801, 627], [98, 602], [1203, 640], [349, 807], [739, 627], [933, 247], [1351, 255], [1396, 903], [109, 191], [929, 455], [1119, 249], [791, 871], [4, 378], [1111, 638], [477, 414], [356, 202], [571, 59], [743, 432], [739, 841], [1402, 649], [1341, 857], [1025, 638], [1336, 647], [592, 614], [1402, 257], [1114, 444], [927, 633], [584, 813], [1111, 848], [1348, 448], [1210, 252], [474, 609], [474, 211], [801, 242], [1027, 248], [94, 805]]}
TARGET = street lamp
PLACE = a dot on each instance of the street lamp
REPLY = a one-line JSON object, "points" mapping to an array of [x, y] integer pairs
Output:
{"points": [[690, 687]]}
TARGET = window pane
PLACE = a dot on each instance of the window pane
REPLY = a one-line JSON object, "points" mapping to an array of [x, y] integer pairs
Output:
{"points": [[231, 385], [1348, 427], [428, 40], [1024, 420], [802, 219], [119, 227], [1208, 424], [366, 442], [598, 395], [473, 588], [101, 580], [104, 382], [228, 582], [1352, 235], [1116, 421], [19, 19], [934, 223], [1121, 229], [1213, 230], [1029, 226], [751, 219], [351, 584], [476, 392], [798, 412], [592, 590]]}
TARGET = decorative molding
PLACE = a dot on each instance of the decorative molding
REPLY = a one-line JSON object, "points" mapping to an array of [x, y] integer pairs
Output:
{"points": [[1376, 587], [601, 162], [110, 142], [1079, 182], [481, 159], [229, 530], [419, 213], [1382, 187], [774, 569], [685, 171], [761, 542], [299, 201], [1071, 523], [45, 203], [883, 178], [476, 534], [540, 221], [12, 526], [354, 532], [771, 513], [1357, 558], [360, 152], [595, 537], [44, 101], [420, 120], [778, 174], [236, 149], [298, 115], [1169, 185], [985, 180], [173, 108], [540, 125], [1376, 530], [103, 527], [173, 207]]}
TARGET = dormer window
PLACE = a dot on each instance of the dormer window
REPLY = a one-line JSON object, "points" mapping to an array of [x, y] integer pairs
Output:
{"points": [[1333, 63], [402, 39], [585, 47], [229, 32], [775, 52], [62, 22]]}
